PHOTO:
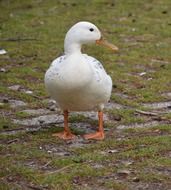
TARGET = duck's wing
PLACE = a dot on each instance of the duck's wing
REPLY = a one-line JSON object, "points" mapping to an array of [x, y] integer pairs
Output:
{"points": [[57, 62], [54, 69], [95, 63], [97, 68], [101, 81]]}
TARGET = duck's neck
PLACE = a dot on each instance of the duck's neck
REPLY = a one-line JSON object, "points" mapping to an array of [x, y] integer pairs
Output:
{"points": [[71, 46]]}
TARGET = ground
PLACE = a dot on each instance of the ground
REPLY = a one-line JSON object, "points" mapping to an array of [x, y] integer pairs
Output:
{"points": [[136, 153]]}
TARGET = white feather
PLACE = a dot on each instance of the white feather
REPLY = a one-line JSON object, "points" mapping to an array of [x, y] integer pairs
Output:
{"points": [[76, 81]]}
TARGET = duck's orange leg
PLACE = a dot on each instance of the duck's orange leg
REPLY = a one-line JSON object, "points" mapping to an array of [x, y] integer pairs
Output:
{"points": [[99, 135], [66, 134]]}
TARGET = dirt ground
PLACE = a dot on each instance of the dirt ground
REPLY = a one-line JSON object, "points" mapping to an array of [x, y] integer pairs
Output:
{"points": [[136, 151]]}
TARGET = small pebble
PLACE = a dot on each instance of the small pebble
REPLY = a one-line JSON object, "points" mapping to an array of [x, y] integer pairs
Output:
{"points": [[5, 100], [5, 126], [123, 172], [29, 92], [3, 70], [52, 108], [15, 87], [41, 121], [2, 52], [164, 12], [143, 73], [1, 104], [113, 151], [135, 179]]}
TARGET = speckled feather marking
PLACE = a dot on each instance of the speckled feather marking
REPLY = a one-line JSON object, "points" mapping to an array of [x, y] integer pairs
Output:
{"points": [[97, 67], [57, 61]]}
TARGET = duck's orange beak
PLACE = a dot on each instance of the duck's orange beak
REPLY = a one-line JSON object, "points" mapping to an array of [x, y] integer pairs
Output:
{"points": [[104, 42]]}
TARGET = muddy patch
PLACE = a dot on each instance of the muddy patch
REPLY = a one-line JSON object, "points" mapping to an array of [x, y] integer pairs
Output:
{"points": [[139, 125], [158, 105], [149, 186], [91, 115], [35, 112], [41, 120], [17, 103], [112, 105], [56, 150]]}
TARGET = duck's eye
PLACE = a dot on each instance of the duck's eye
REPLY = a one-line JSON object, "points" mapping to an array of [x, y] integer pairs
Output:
{"points": [[91, 29]]}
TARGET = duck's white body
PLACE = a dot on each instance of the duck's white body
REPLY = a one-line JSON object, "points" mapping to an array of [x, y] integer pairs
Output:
{"points": [[78, 82]]}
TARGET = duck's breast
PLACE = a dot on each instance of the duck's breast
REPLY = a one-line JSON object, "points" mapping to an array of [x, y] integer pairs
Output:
{"points": [[67, 74], [78, 82]]}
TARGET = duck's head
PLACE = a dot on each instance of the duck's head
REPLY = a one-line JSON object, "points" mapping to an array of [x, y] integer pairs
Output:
{"points": [[84, 33]]}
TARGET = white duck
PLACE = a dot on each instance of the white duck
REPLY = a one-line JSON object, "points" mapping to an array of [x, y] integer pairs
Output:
{"points": [[78, 82]]}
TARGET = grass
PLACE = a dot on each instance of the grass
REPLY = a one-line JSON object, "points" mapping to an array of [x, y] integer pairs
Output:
{"points": [[32, 33], [146, 152]]}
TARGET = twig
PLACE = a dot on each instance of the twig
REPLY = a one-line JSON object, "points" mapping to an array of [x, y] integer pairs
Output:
{"points": [[162, 118], [10, 131], [38, 97], [146, 113], [35, 187], [57, 171], [155, 116], [11, 141], [44, 166]]}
